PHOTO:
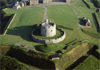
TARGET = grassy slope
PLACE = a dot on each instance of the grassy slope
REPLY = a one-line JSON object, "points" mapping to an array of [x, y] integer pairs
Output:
{"points": [[98, 17], [91, 33], [5, 49], [89, 3], [90, 63], [51, 47], [22, 26]]}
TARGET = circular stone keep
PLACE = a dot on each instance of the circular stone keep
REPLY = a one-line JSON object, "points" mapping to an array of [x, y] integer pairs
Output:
{"points": [[48, 29]]}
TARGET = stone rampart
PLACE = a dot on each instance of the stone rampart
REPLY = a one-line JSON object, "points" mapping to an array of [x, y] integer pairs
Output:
{"points": [[55, 40]]}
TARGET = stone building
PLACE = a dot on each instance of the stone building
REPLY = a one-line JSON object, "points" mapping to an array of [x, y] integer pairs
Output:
{"points": [[21, 4], [34, 2], [48, 29], [86, 22], [17, 5]]}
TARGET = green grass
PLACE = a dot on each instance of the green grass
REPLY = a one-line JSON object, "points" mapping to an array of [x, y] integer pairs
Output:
{"points": [[50, 47], [98, 17], [65, 18], [22, 25], [98, 3], [90, 34], [30, 66], [37, 34], [75, 53], [90, 63], [60, 16], [89, 3]]}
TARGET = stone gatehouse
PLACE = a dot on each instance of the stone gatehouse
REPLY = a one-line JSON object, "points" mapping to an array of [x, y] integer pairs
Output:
{"points": [[33, 2]]}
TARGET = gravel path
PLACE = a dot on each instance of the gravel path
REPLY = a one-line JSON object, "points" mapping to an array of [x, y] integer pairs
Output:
{"points": [[45, 14]]}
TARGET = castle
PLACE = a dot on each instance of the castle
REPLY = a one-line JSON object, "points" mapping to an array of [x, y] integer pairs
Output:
{"points": [[48, 29]]}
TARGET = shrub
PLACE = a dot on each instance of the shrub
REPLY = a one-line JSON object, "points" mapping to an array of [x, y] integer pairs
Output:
{"points": [[10, 63]]}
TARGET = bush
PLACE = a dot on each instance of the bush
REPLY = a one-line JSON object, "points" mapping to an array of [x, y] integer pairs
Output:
{"points": [[10, 63]]}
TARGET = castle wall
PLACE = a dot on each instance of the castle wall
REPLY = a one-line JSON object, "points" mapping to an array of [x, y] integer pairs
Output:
{"points": [[68, 1], [55, 40], [33, 2]]}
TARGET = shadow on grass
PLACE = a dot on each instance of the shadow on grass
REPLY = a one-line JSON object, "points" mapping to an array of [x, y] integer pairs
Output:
{"points": [[95, 3], [81, 22], [68, 44], [59, 26], [86, 4], [96, 22], [23, 31], [37, 47], [31, 59]]}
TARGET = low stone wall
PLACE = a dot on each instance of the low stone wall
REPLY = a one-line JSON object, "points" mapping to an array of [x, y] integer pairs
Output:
{"points": [[55, 40]]}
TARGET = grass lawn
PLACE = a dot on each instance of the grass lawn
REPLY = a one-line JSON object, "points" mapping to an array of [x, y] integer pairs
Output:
{"points": [[90, 34], [90, 63], [65, 18], [22, 26]]}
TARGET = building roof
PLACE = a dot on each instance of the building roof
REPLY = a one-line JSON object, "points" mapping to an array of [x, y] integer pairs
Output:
{"points": [[54, 56]]}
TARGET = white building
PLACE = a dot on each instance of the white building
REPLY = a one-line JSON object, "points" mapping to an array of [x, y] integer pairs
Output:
{"points": [[17, 5], [48, 29]]}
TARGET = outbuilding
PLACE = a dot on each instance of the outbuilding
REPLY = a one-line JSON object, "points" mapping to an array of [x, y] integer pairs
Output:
{"points": [[54, 57]]}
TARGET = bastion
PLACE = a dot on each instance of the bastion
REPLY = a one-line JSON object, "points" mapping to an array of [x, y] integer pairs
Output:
{"points": [[48, 29]]}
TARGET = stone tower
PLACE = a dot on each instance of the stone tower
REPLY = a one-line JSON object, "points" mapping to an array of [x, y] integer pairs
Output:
{"points": [[48, 29]]}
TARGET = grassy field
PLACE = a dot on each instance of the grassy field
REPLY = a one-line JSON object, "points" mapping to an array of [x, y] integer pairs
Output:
{"points": [[90, 63], [22, 26], [60, 16], [90, 34], [64, 17]]}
